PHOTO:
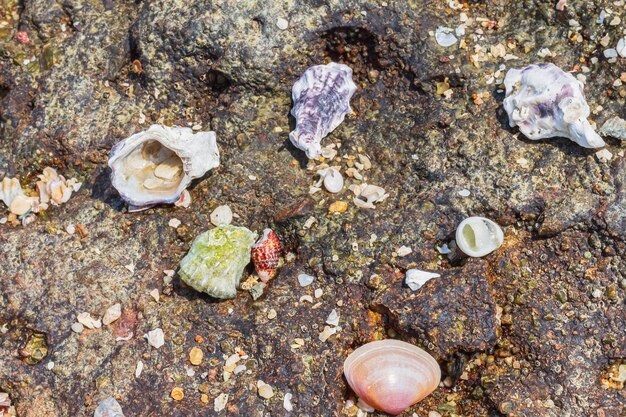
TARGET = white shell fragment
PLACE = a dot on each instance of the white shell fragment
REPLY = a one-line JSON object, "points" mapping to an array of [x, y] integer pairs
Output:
{"points": [[12, 195], [108, 408], [478, 236], [221, 215], [155, 338], [415, 278], [113, 313], [445, 36], [321, 100], [333, 180], [54, 188], [369, 194], [305, 280], [157, 165], [545, 102]]}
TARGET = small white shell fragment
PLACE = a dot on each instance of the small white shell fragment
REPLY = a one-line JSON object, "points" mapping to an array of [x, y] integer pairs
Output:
{"points": [[333, 318], [445, 36], [305, 280], [545, 102], [326, 333], [155, 294], [464, 193], [318, 293], [70, 229], [155, 338], [281, 23], [138, 369], [265, 390], [108, 408], [77, 328], [416, 278], [604, 155], [50, 365], [184, 200], [221, 215], [621, 47], [54, 188], [333, 180], [86, 320], [220, 402], [174, 223], [306, 298], [478, 236], [113, 313], [443, 249], [610, 53], [403, 251], [287, 402]]}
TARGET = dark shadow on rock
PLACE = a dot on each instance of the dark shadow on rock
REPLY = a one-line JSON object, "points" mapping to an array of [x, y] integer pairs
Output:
{"points": [[103, 190], [183, 290], [298, 154]]}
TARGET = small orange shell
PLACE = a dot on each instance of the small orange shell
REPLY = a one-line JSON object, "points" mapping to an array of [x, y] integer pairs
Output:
{"points": [[265, 255]]}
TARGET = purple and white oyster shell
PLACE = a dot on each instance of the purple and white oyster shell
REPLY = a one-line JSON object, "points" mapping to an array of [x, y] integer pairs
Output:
{"points": [[321, 100], [545, 102], [155, 166]]}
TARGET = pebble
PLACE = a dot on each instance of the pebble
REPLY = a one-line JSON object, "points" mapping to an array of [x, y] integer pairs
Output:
{"points": [[265, 390], [338, 207], [174, 223], [281, 23], [177, 393], [610, 53], [621, 47], [77, 328], [221, 215], [271, 314], [195, 356], [108, 407], [604, 155], [155, 294], [220, 402], [305, 280], [287, 402]]}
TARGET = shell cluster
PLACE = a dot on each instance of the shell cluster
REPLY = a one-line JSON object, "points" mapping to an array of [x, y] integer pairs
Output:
{"points": [[321, 100], [54, 188], [266, 255], [216, 260], [478, 236], [545, 102], [391, 375], [157, 165]]}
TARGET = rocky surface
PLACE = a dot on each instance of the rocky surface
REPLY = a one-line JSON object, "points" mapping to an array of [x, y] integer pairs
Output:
{"points": [[534, 329]]}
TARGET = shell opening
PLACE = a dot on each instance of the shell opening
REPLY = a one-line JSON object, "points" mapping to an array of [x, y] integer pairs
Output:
{"points": [[154, 168], [470, 237]]}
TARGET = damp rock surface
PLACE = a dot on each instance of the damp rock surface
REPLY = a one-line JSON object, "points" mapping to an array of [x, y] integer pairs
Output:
{"points": [[533, 329]]}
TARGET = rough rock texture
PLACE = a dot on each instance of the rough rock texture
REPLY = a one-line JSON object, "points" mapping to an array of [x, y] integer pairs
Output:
{"points": [[430, 120]]}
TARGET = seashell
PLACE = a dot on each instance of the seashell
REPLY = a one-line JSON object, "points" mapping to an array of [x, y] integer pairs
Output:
{"points": [[9, 190], [415, 278], [157, 165], [391, 375], [321, 100], [113, 313], [369, 194], [265, 255], [216, 260], [108, 408], [544, 101], [478, 236], [54, 188], [332, 179], [155, 338], [445, 36]]}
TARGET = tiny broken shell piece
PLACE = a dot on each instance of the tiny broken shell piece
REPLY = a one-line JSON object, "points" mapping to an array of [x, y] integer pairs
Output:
{"points": [[266, 254], [221, 215], [415, 278], [109, 408], [332, 178], [478, 236], [113, 313], [545, 102], [157, 165], [155, 338], [22, 204], [321, 101], [9, 190], [54, 188], [391, 375]]}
